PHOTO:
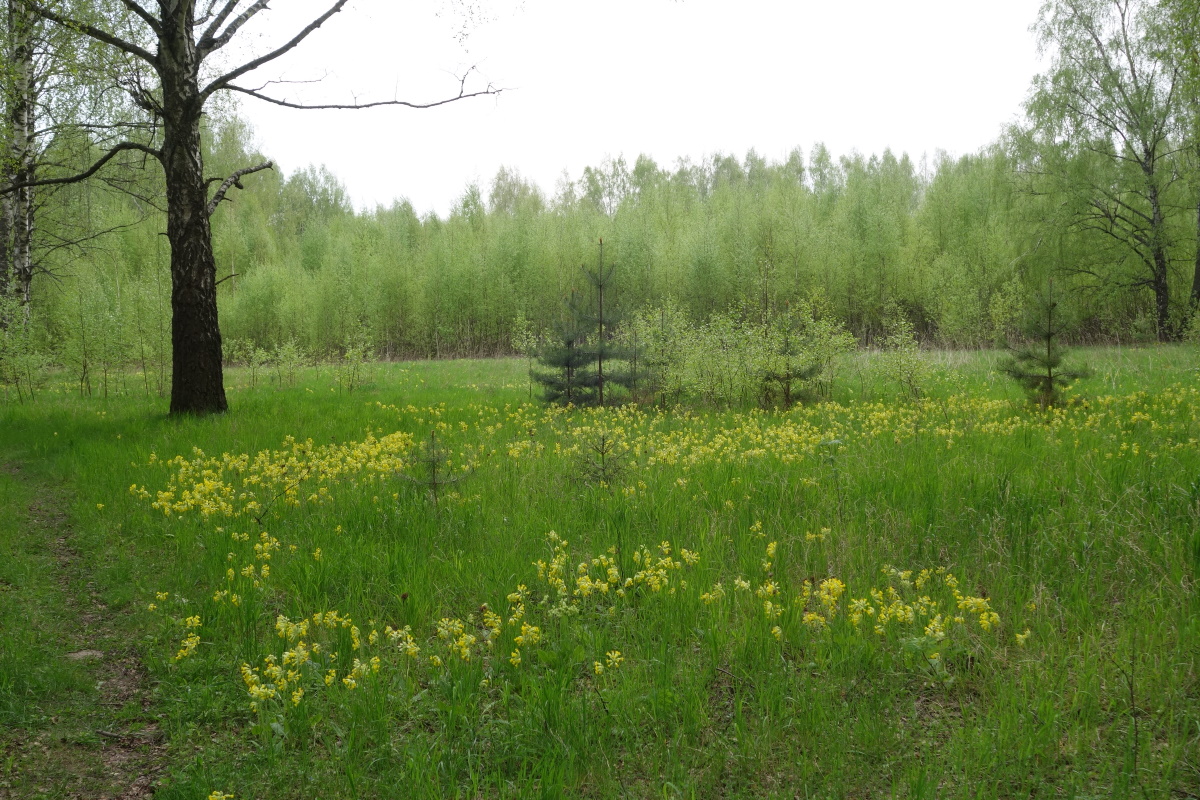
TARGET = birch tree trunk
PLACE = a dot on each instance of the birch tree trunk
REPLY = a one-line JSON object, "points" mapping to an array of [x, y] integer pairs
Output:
{"points": [[197, 382]]}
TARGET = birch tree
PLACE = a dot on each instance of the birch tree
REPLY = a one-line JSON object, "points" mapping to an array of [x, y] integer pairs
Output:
{"points": [[175, 49], [1105, 127]]}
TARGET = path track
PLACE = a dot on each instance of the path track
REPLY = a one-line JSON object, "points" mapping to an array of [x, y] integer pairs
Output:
{"points": [[94, 734]]}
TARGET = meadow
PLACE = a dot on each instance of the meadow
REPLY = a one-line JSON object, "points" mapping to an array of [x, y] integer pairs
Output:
{"points": [[433, 586]]}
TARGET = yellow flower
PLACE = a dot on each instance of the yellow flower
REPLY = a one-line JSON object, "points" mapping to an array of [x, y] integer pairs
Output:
{"points": [[597, 667], [1022, 638], [188, 646], [530, 634], [815, 621], [515, 658], [614, 658], [718, 591]]}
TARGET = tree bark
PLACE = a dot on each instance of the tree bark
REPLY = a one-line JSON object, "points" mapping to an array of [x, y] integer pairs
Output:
{"points": [[197, 381], [1195, 300], [18, 211], [1159, 267], [5, 248]]}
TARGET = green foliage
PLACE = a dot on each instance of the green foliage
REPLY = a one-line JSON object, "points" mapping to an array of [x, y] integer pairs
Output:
{"points": [[1098, 135], [824, 338], [430, 466], [731, 361], [93, 341], [1005, 312], [287, 360], [350, 368], [658, 338], [569, 373], [1038, 364], [717, 242], [603, 458], [902, 361], [1191, 330], [528, 342], [22, 363], [954, 242], [246, 353], [583, 357], [784, 366]]}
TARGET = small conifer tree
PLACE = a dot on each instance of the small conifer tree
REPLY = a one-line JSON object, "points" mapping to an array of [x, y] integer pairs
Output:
{"points": [[788, 367], [583, 367], [606, 350], [568, 356], [1037, 365]]}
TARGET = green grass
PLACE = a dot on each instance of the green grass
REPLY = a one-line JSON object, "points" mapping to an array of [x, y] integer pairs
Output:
{"points": [[1095, 555]]}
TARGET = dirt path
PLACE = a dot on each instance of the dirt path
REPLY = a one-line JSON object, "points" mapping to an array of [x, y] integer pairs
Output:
{"points": [[91, 733]]}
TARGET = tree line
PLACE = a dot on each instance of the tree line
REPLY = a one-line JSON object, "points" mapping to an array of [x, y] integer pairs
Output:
{"points": [[1097, 189]]}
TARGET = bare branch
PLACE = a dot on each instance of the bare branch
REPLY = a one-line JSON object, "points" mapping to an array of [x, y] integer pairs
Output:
{"points": [[205, 15], [223, 81], [94, 32], [234, 180], [211, 31], [282, 82], [211, 42], [146, 16], [462, 95], [87, 173]]}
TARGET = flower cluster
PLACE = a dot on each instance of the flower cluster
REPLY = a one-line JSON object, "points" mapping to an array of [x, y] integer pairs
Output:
{"points": [[238, 485]]}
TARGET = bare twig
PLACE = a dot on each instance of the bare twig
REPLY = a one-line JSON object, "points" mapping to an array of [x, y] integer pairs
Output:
{"points": [[463, 94], [223, 81]]}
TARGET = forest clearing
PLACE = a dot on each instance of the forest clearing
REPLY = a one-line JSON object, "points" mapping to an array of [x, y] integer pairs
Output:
{"points": [[672, 460], [430, 582]]}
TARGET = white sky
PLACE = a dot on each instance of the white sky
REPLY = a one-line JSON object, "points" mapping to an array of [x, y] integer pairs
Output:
{"points": [[585, 79]]}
